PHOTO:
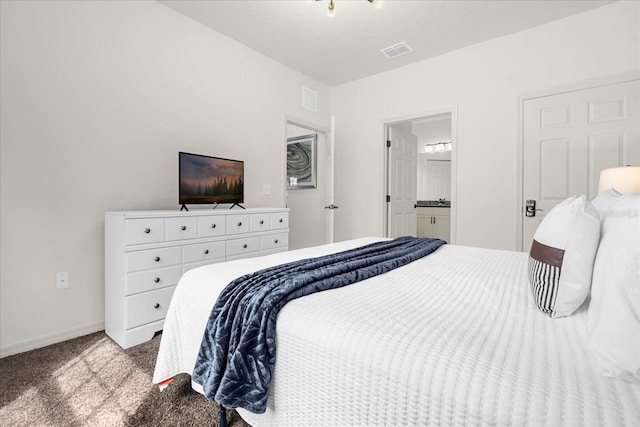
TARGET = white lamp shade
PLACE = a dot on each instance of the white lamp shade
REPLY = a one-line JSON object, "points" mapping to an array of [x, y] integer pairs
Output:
{"points": [[625, 179]]}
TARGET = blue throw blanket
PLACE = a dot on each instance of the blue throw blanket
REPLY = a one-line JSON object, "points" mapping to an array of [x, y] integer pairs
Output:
{"points": [[238, 348]]}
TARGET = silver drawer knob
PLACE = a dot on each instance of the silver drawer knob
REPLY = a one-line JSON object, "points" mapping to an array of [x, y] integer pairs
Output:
{"points": [[280, 220], [184, 227], [261, 222], [213, 226], [156, 305], [157, 280], [206, 251], [147, 230], [157, 259], [275, 241], [244, 246], [239, 224]]}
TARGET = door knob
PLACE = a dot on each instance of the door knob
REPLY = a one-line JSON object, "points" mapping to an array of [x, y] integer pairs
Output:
{"points": [[530, 208]]}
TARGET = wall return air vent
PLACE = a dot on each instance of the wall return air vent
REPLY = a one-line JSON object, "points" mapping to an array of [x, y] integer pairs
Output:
{"points": [[309, 99], [396, 50]]}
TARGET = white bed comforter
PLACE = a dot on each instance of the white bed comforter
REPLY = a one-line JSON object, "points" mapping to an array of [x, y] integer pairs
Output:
{"points": [[451, 339]]}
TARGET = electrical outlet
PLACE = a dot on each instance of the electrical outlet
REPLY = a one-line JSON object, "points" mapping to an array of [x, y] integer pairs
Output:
{"points": [[62, 280], [266, 189]]}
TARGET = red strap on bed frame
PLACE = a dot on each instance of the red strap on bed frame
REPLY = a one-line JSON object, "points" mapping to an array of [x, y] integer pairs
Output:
{"points": [[163, 384]]}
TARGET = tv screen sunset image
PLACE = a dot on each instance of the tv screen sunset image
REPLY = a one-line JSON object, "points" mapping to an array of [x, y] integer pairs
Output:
{"points": [[206, 179]]}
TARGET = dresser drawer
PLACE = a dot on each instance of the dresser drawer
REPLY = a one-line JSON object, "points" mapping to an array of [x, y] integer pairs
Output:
{"points": [[274, 241], [211, 226], [181, 228], [237, 224], [260, 222], [192, 265], [279, 220], [149, 280], [203, 252], [244, 256], [144, 230], [243, 246], [148, 307], [153, 258]]}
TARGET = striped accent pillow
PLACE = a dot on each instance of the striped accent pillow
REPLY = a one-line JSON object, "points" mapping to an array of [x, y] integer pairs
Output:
{"points": [[562, 255], [545, 263]]}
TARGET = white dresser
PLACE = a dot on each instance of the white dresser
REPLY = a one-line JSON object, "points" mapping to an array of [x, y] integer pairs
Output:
{"points": [[146, 252]]}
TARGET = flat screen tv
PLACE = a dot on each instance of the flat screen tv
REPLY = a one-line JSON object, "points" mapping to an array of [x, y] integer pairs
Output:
{"points": [[210, 180]]}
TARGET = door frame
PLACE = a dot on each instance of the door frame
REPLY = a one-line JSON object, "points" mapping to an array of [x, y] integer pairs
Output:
{"points": [[566, 88], [328, 134], [384, 126]]}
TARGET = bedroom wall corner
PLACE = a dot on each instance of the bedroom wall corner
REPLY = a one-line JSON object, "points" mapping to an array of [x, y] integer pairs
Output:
{"points": [[97, 98], [483, 82]]}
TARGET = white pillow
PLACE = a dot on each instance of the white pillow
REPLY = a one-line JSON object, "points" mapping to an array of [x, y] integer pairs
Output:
{"points": [[614, 311], [605, 200], [561, 257]]}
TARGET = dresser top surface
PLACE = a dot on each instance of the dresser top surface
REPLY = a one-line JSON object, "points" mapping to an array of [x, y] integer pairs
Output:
{"points": [[192, 212]]}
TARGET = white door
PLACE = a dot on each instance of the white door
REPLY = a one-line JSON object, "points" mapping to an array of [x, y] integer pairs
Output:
{"points": [[569, 137], [402, 175], [309, 221]]}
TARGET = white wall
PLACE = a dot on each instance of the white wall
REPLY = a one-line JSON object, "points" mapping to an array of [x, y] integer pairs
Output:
{"points": [[483, 82], [97, 100]]}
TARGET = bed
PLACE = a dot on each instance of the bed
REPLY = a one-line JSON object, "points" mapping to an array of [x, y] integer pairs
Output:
{"points": [[451, 339]]}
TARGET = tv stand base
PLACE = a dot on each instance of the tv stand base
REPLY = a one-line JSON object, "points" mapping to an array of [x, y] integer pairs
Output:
{"points": [[215, 205]]}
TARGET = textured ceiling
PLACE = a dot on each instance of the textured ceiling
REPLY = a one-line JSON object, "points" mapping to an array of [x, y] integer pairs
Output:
{"points": [[346, 47]]}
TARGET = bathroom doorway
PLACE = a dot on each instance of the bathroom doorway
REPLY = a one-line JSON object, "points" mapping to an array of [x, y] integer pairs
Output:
{"points": [[434, 175]]}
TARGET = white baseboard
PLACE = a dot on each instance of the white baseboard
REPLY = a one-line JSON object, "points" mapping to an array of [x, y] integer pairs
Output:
{"points": [[45, 340]]}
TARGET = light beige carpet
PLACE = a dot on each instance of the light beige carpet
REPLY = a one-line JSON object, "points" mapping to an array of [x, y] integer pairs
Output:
{"points": [[91, 381]]}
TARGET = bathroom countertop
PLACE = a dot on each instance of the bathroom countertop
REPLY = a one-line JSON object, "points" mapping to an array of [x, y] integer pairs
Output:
{"points": [[433, 204]]}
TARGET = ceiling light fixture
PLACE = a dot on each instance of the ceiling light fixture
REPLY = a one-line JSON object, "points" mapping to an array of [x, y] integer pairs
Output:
{"points": [[438, 146], [332, 6]]}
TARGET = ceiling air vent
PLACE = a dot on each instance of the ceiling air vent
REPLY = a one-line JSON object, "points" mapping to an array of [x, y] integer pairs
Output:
{"points": [[396, 50]]}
